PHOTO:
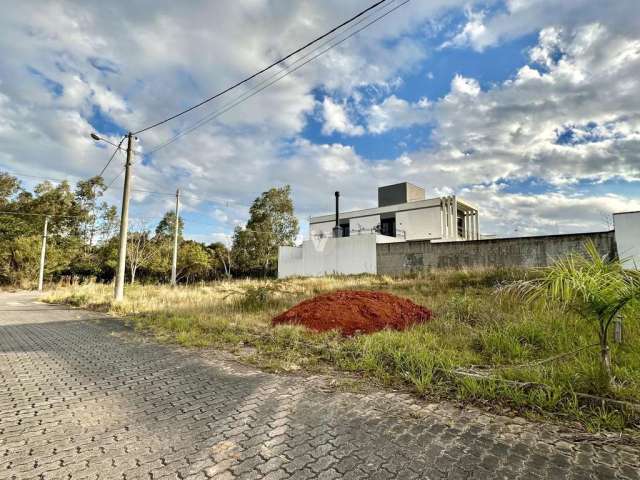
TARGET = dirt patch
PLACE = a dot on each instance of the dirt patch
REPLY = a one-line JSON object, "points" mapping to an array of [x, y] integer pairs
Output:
{"points": [[354, 311]]}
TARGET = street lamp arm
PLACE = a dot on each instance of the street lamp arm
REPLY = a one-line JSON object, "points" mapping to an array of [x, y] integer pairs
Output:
{"points": [[98, 139]]}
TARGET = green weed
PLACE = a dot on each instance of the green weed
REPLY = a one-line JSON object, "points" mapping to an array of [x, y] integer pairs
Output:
{"points": [[472, 326]]}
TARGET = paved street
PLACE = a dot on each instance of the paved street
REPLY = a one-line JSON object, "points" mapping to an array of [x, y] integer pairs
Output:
{"points": [[83, 397]]}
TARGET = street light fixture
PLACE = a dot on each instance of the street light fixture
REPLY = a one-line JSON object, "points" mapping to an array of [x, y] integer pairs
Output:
{"points": [[100, 139]]}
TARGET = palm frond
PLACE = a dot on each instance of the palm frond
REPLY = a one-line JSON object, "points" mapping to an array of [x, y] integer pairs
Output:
{"points": [[593, 282]]}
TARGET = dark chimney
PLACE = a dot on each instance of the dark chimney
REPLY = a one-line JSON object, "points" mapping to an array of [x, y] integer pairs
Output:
{"points": [[337, 230]]}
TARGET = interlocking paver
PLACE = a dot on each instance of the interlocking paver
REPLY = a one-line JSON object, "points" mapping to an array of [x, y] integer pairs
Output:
{"points": [[81, 396]]}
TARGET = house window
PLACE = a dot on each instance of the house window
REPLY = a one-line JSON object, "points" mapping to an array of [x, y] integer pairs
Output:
{"points": [[388, 226]]}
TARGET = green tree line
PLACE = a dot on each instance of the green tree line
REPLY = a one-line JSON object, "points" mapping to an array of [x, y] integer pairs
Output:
{"points": [[83, 237]]}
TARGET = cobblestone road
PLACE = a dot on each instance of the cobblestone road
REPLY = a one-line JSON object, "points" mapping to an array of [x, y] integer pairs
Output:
{"points": [[80, 397]]}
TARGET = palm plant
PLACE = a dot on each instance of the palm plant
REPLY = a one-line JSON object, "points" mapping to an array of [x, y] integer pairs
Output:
{"points": [[596, 287]]}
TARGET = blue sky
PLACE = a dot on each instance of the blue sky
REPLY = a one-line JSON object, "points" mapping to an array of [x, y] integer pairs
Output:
{"points": [[528, 109], [431, 79]]}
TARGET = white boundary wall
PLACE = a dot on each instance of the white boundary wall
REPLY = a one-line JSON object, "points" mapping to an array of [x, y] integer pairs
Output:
{"points": [[627, 233], [326, 256]]}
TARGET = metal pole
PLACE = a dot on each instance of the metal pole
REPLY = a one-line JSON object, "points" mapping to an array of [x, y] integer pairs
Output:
{"points": [[124, 225], [43, 254], [174, 261], [337, 231]]}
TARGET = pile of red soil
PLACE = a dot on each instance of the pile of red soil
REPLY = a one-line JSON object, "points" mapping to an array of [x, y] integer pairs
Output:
{"points": [[354, 311]]}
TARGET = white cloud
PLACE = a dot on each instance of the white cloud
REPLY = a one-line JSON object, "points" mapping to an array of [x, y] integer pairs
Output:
{"points": [[221, 237], [461, 86], [554, 212], [107, 100], [396, 112], [513, 130], [220, 215], [473, 33], [336, 119], [137, 68], [521, 17], [581, 82]]}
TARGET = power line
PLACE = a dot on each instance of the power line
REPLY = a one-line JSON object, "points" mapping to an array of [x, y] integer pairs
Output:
{"points": [[134, 189], [41, 214], [156, 218], [256, 89], [60, 180], [262, 86], [218, 203], [317, 39], [114, 179], [20, 174], [112, 157]]}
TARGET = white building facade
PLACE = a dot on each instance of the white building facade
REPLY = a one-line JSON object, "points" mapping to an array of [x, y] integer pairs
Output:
{"points": [[627, 228], [403, 214], [442, 218]]}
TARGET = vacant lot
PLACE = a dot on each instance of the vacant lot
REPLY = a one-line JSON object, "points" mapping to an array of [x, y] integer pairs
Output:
{"points": [[475, 330]]}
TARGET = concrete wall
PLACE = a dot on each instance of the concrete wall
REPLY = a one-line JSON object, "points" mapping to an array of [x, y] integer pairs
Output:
{"points": [[430, 202], [408, 257], [366, 223], [420, 224], [325, 228], [355, 224], [290, 262], [348, 255], [627, 228]]}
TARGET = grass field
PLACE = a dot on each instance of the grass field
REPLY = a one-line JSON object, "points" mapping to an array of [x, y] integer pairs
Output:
{"points": [[475, 329]]}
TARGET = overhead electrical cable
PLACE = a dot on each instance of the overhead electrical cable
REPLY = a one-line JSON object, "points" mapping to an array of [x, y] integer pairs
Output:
{"points": [[112, 157], [114, 179], [26, 175], [266, 83], [41, 214], [60, 180], [241, 82]]}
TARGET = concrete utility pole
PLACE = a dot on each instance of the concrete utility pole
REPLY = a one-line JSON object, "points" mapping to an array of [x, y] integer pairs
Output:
{"points": [[124, 224], [43, 254], [174, 260]]}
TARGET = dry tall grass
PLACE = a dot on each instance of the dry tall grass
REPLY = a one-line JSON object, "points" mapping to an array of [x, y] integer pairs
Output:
{"points": [[473, 325]]}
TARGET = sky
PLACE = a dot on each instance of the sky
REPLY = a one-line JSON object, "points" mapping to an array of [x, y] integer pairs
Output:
{"points": [[527, 109]]}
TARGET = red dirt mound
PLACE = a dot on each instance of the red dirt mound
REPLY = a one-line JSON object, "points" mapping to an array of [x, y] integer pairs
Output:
{"points": [[352, 311]]}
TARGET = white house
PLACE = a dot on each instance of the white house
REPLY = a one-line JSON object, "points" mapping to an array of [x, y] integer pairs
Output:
{"points": [[404, 213], [346, 241]]}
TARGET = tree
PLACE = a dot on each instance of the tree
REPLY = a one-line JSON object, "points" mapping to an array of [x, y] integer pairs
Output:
{"points": [[166, 226], [596, 287], [109, 225], [107, 257], [83, 239], [193, 261], [271, 224], [9, 187], [140, 250], [97, 216], [20, 233], [222, 255]]}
